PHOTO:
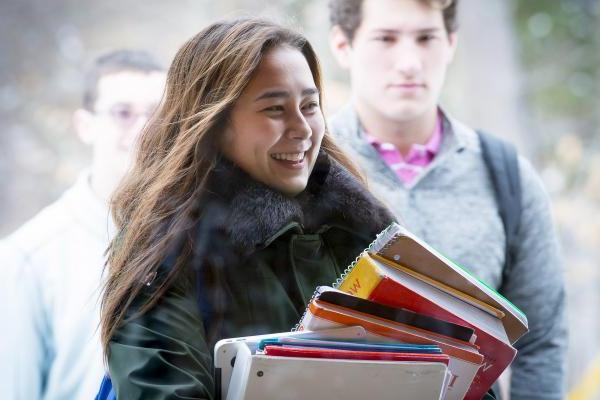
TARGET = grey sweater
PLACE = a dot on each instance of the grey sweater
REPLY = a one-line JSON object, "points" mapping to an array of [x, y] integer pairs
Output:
{"points": [[451, 206]]}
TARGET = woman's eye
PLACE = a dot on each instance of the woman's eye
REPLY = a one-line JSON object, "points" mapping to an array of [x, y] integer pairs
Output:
{"points": [[274, 109], [312, 106]]}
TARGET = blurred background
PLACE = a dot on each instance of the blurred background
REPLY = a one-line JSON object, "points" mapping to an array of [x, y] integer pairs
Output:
{"points": [[526, 70]]}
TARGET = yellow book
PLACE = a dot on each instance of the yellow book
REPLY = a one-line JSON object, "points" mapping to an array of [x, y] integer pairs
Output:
{"points": [[371, 279]]}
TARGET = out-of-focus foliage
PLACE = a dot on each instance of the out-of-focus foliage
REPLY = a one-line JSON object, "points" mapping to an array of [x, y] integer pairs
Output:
{"points": [[560, 46], [560, 42], [560, 50]]}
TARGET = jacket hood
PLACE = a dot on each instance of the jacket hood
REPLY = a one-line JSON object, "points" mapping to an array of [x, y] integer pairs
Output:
{"points": [[250, 213]]}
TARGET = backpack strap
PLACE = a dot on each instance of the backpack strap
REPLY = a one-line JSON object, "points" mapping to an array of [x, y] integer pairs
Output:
{"points": [[502, 163]]}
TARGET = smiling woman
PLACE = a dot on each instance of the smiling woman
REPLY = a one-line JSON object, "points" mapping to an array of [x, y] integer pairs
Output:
{"points": [[237, 207], [276, 125]]}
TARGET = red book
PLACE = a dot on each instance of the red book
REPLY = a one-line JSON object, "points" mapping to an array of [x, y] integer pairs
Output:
{"points": [[316, 352], [380, 281]]}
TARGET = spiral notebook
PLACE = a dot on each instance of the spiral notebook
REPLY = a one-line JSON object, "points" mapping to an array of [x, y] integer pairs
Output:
{"points": [[398, 245]]}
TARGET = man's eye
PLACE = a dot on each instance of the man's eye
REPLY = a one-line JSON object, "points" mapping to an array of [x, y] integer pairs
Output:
{"points": [[122, 114], [425, 38], [125, 114], [384, 38]]}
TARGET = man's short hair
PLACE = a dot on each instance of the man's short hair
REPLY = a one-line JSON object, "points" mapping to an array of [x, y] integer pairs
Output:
{"points": [[115, 62], [347, 14]]}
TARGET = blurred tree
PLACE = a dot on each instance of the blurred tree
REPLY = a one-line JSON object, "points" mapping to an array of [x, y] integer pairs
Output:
{"points": [[560, 48], [30, 111], [485, 84], [560, 45]]}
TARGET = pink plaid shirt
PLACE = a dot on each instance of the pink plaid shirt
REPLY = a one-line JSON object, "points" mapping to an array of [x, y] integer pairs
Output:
{"points": [[418, 157]]}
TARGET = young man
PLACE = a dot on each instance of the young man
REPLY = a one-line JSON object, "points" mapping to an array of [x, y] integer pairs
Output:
{"points": [[429, 169], [53, 264]]}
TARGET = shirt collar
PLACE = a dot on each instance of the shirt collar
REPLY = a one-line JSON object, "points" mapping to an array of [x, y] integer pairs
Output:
{"points": [[432, 146]]}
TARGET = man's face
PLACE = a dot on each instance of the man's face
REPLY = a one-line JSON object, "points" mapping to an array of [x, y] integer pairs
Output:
{"points": [[125, 100], [398, 58]]}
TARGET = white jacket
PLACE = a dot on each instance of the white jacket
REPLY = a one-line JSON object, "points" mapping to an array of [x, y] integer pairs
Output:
{"points": [[52, 268]]}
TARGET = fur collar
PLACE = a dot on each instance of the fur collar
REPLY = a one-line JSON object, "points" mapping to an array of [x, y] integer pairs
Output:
{"points": [[249, 213]]}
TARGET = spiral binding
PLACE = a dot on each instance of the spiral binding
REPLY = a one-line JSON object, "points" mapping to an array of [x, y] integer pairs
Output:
{"points": [[381, 235]]}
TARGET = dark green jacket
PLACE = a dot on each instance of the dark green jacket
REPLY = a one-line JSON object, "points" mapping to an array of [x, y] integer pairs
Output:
{"points": [[258, 257]]}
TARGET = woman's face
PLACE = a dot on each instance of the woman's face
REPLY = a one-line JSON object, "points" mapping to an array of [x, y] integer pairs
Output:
{"points": [[276, 125]]}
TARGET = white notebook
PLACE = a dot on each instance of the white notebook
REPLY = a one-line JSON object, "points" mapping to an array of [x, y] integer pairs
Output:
{"points": [[265, 377], [225, 350]]}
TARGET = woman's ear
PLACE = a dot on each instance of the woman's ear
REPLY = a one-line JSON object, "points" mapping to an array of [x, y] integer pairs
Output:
{"points": [[340, 45]]}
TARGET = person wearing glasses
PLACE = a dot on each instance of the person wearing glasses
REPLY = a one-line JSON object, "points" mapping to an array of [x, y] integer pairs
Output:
{"points": [[53, 264]]}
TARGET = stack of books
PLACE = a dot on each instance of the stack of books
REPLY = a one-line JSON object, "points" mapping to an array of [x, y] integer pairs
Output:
{"points": [[402, 321], [329, 363]]}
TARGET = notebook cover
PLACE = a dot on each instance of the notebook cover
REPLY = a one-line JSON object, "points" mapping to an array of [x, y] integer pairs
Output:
{"points": [[401, 315]]}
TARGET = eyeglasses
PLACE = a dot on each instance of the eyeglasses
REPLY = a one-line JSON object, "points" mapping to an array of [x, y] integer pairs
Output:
{"points": [[125, 116]]}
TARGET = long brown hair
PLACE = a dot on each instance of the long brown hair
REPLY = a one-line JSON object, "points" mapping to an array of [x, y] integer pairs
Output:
{"points": [[157, 201]]}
